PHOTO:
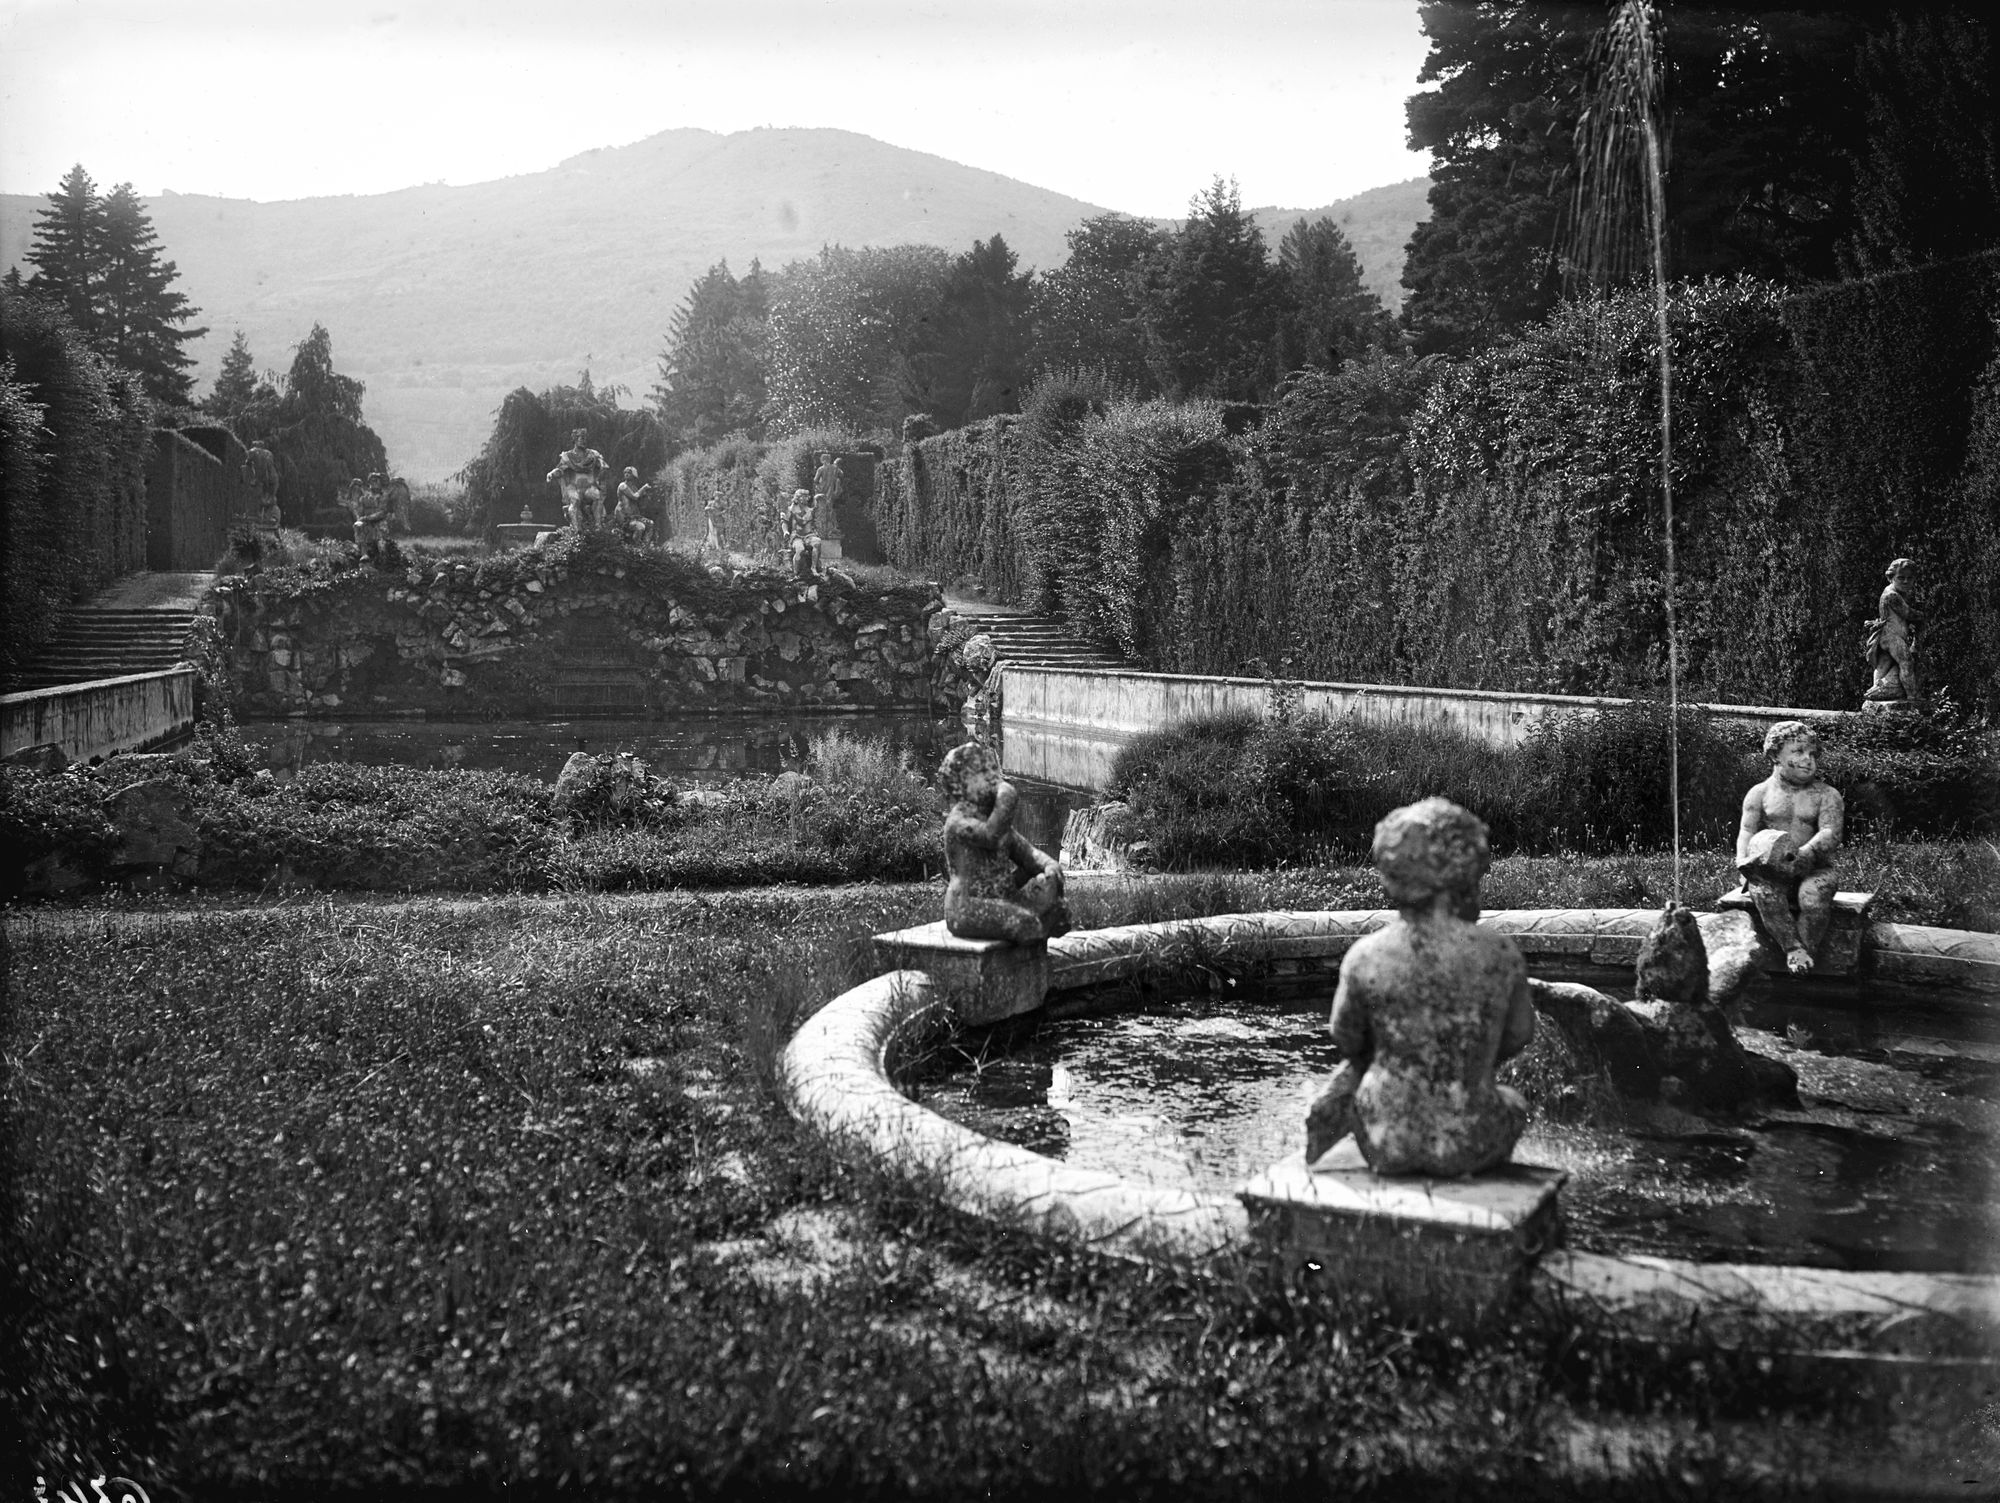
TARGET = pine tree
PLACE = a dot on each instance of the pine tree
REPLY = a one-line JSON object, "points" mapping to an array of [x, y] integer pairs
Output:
{"points": [[68, 251], [144, 317], [712, 379], [983, 345], [235, 384], [99, 258], [1215, 303], [1334, 315]]}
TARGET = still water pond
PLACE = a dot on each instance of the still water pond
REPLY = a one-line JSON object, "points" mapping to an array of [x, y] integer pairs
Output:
{"points": [[1890, 1166]]}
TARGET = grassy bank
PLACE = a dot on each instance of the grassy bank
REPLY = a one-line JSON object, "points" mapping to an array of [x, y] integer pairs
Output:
{"points": [[360, 1198]]}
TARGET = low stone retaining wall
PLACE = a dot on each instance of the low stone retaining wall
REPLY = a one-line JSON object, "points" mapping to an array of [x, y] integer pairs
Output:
{"points": [[516, 633], [95, 719], [1066, 725]]}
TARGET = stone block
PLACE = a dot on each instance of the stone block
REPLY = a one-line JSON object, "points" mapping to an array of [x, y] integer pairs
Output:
{"points": [[986, 980], [1458, 1248], [1842, 951]]}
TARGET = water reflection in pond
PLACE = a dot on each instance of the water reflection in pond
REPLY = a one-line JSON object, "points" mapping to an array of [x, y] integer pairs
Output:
{"points": [[1891, 1165]]}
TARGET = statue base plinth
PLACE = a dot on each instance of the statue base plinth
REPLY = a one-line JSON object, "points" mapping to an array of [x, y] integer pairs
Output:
{"points": [[1839, 953], [1462, 1248], [1891, 706], [986, 980]]}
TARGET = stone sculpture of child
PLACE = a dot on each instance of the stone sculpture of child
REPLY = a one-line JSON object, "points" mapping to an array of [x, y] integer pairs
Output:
{"points": [[1001, 886], [1425, 1010], [1890, 649], [1786, 843]]}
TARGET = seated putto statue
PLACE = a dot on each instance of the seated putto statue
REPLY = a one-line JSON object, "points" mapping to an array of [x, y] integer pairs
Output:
{"points": [[578, 471], [1001, 886], [1426, 1009], [1786, 844], [1890, 649]]}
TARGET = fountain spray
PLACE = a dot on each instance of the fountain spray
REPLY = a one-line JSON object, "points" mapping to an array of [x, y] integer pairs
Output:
{"points": [[1621, 159]]}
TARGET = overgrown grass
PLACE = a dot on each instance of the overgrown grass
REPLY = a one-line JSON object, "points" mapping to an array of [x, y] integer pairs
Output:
{"points": [[492, 1197], [861, 816]]}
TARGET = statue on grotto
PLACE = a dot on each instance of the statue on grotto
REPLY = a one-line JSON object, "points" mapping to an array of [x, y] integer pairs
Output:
{"points": [[1426, 1009], [578, 471], [1002, 887], [632, 523]]}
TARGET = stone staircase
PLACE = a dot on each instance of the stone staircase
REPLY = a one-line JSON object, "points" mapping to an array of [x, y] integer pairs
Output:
{"points": [[1029, 639], [138, 625]]}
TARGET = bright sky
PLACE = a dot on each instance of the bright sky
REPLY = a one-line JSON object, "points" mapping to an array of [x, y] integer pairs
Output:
{"points": [[1131, 104]]}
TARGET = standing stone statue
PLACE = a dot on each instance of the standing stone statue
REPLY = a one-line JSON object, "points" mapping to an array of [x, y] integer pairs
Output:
{"points": [[1890, 648], [1001, 886], [1425, 1010], [260, 473], [578, 471], [372, 510], [1785, 846], [801, 536], [829, 484], [711, 510]]}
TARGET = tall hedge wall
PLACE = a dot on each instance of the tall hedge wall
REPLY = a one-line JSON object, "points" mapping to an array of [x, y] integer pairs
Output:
{"points": [[752, 480], [75, 436], [1497, 523]]}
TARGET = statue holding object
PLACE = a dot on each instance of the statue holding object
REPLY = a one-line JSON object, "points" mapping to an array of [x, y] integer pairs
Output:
{"points": [[578, 472], [1425, 1011], [1786, 843], [1890, 648], [1002, 887]]}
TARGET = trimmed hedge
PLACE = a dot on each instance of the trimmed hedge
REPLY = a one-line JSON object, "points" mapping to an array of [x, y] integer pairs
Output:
{"points": [[75, 439], [1497, 523]]}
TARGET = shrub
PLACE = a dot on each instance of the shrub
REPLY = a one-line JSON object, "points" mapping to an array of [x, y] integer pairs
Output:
{"points": [[1599, 781], [1931, 774]]}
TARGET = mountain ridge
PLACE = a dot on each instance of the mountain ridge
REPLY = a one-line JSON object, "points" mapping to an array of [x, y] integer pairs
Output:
{"points": [[442, 298]]}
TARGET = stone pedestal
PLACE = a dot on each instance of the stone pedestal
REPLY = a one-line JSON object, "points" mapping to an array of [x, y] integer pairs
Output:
{"points": [[986, 980], [518, 534], [1455, 1248], [829, 550], [1841, 952]]}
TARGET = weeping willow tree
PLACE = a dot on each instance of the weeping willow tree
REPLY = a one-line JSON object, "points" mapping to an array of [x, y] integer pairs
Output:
{"points": [[314, 430], [509, 478]]}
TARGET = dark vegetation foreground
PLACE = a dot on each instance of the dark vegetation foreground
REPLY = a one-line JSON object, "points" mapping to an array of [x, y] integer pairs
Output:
{"points": [[493, 1194]]}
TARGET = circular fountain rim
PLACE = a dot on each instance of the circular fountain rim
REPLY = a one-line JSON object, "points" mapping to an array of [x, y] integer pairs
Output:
{"points": [[836, 1078]]}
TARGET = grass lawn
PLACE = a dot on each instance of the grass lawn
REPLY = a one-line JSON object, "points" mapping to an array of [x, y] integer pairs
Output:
{"points": [[471, 1196]]}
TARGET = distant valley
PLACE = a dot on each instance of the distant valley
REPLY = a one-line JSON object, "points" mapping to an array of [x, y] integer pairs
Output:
{"points": [[445, 299]]}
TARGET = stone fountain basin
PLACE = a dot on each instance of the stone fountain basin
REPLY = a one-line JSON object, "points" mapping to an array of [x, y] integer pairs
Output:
{"points": [[838, 1078]]}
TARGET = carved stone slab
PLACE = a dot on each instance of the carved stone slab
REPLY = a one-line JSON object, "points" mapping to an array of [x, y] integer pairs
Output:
{"points": [[1842, 951], [1462, 1247], [984, 980]]}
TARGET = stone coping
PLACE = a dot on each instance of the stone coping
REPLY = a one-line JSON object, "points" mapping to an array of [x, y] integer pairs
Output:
{"points": [[59, 691], [835, 1077]]}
